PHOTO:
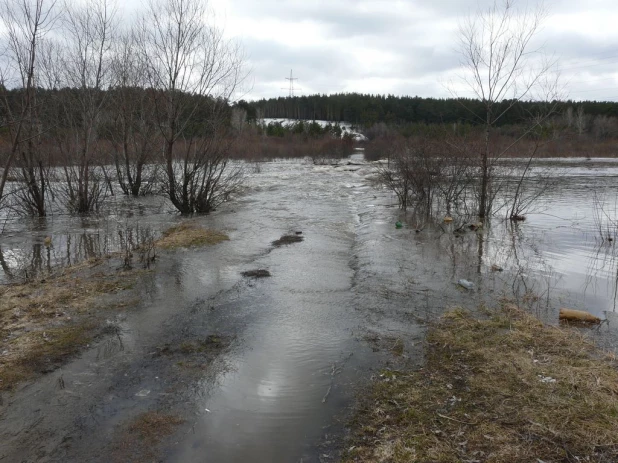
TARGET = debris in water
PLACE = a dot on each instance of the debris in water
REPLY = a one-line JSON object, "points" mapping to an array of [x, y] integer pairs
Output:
{"points": [[287, 239], [465, 284], [327, 394], [299, 232], [578, 316], [399, 225], [546, 379], [496, 268], [259, 273], [448, 219], [142, 393]]}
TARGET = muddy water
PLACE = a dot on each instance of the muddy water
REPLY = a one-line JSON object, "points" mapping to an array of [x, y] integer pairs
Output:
{"points": [[302, 341]]}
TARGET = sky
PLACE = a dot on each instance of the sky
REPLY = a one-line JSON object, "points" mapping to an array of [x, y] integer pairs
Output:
{"points": [[405, 47]]}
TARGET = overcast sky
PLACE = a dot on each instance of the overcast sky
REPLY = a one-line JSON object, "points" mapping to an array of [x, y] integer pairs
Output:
{"points": [[404, 47]]}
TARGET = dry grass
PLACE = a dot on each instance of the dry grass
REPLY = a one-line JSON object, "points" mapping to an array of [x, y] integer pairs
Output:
{"points": [[142, 436], [188, 234], [488, 394], [44, 322]]}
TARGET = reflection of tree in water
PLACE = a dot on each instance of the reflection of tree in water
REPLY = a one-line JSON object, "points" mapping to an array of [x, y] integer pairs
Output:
{"points": [[602, 267], [37, 259], [528, 279], [8, 272]]}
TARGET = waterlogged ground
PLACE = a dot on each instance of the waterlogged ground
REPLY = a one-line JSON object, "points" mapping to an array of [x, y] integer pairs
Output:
{"points": [[228, 368]]}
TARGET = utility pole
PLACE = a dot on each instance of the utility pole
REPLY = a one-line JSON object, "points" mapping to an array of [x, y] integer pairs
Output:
{"points": [[291, 79]]}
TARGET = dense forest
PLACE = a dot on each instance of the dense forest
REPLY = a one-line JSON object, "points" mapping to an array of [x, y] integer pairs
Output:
{"points": [[366, 110]]}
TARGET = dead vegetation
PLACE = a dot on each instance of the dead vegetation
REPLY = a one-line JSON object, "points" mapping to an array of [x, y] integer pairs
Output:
{"points": [[189, 234], [142, 436], [287, 239], [44, 322], [503, 389], [195, 354]]}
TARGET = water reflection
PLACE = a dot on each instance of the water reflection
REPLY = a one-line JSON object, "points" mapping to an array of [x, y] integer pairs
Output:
{"points": [[41, 256]]}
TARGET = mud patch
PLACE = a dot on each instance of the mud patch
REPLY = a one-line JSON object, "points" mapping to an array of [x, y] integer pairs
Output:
{"points": [[379, 343], [287, 239], [189, 234], [260, 273]]}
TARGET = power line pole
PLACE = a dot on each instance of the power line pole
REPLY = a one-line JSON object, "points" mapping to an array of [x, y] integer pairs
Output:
{"points": [[291, 79]]}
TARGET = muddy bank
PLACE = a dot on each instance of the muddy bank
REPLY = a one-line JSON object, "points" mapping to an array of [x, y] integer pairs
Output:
{"points": [[501, 388], [45, 322], [48, 319]]}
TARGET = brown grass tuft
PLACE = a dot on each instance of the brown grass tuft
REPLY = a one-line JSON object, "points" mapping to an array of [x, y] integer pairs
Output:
{"points": [[503, 389], [142, 435], [188, 234]]}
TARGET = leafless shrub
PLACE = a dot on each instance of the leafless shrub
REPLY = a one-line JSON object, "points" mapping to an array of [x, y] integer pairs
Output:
{"points": [[131, 126], [193, 71], [26, 23], [501, 68], [85, 61]]}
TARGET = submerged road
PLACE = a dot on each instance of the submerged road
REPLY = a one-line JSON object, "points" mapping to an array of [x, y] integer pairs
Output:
{"points": [[285, 354]]}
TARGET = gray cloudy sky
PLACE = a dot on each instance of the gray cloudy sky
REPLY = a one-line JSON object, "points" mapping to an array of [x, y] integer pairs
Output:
{"points": [[404, 46]]}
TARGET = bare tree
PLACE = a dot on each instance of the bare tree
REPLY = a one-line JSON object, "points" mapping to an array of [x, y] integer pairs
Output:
{"points": [[26, 22], [193, 71], [502, 68], [581, 121], [131, 126], [85, 71]]}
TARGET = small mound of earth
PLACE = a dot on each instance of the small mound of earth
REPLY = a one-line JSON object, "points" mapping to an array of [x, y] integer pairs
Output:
{"points": [[259, 273], [288, 239]]}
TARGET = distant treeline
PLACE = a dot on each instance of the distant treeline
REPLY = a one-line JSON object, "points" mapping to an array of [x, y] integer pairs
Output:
{"points": [[366, 110]]}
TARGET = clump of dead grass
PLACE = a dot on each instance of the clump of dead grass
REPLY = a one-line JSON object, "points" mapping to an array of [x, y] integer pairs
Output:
{"points": [[189, 234], [503, 389], [142, 436]]}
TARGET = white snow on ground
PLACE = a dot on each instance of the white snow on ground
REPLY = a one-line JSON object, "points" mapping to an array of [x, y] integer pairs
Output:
{"points": [[346, 127]]}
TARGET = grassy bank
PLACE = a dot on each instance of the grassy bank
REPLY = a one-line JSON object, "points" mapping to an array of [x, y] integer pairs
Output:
{"points": [[504, 389]]}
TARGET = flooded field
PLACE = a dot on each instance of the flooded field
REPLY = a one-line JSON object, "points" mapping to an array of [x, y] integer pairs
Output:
{"points": [[286, 353]]}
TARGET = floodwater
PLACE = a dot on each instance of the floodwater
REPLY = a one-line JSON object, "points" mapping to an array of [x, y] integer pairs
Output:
{"points": [[305, 340]]}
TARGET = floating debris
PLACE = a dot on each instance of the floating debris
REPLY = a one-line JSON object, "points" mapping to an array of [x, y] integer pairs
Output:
{"points": [[578, 316], [287, 239]]}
